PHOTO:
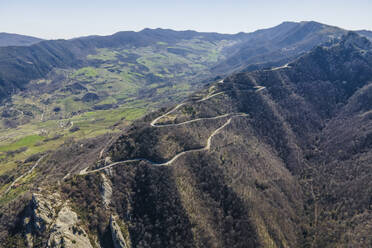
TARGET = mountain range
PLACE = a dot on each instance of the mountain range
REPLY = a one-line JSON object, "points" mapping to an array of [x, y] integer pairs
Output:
{"points": [[271, 148], [267, 47], [7, 39]]}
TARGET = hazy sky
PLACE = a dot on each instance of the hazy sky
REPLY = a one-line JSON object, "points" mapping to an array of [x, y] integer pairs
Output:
{"points": [[73, 18]]}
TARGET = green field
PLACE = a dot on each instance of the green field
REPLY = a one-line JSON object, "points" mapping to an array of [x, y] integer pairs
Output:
{"points": [[118, 86]]}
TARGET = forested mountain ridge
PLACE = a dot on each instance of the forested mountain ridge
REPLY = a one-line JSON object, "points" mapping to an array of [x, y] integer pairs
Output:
{"points": [[366, 33], [277, 157], [7, 39], [134, 68], [280, 44], [61, 89], [19, 65], [307, 125]]}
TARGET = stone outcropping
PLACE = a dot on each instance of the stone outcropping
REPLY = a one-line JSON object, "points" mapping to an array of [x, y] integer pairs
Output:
{"points": [[40, 215], [117, 236], [52, 220], [43, 210], [65, 232], [106, 191]]}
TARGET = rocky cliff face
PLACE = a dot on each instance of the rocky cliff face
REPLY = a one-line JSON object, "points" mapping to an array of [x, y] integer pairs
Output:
{"points": [[117, 235], [65, 231], [106, 191], [48, 216]]}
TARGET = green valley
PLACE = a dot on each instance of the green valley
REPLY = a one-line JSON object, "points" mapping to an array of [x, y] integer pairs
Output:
{"points": [[113, 88]]}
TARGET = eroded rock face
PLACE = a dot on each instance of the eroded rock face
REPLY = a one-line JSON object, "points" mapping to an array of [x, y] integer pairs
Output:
{"points": [[117, 235], [65, 232], [106, 191], [54, 221], [40, 215], [43, 210]]}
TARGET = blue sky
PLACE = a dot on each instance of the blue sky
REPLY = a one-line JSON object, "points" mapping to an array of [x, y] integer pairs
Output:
{"points": [[72, 18]]}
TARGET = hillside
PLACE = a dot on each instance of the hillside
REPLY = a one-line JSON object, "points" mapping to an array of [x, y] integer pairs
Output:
{"points": [[266, 47], [307, 125], [59, 90], [130, 68], [279, 45], [366, 33], [20, 65], [109, 87], [7, 39], [277, 157]]}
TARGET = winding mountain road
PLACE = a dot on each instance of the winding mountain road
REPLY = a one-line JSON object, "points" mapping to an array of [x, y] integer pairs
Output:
{"points": [[169, 162], [154, 123]]}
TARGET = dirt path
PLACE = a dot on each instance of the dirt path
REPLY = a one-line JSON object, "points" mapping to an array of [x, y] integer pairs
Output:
{"points": [[279, 67], [169, 162], [156, 120], [259, 88], [195, 120], [23, 175], [154, 123]]}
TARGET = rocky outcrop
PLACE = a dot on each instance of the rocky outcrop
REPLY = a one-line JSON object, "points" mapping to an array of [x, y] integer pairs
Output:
{"points": [[40, 215], [106, 191], [117, 236], [50, 219], [43, 210], [65, 232]]}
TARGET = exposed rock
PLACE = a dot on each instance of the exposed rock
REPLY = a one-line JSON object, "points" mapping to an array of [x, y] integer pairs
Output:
{"points": [[40, 215], [43, 220], [43, 210], [65, 232], [106, 191], [108, 160], [117, 236]]}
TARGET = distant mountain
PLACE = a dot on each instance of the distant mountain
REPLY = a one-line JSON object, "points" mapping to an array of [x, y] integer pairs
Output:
{"points": [[365, 33], [277, 157], [20, 65], [272, 150], [7, 39], [153, 66], [278, 45]]}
